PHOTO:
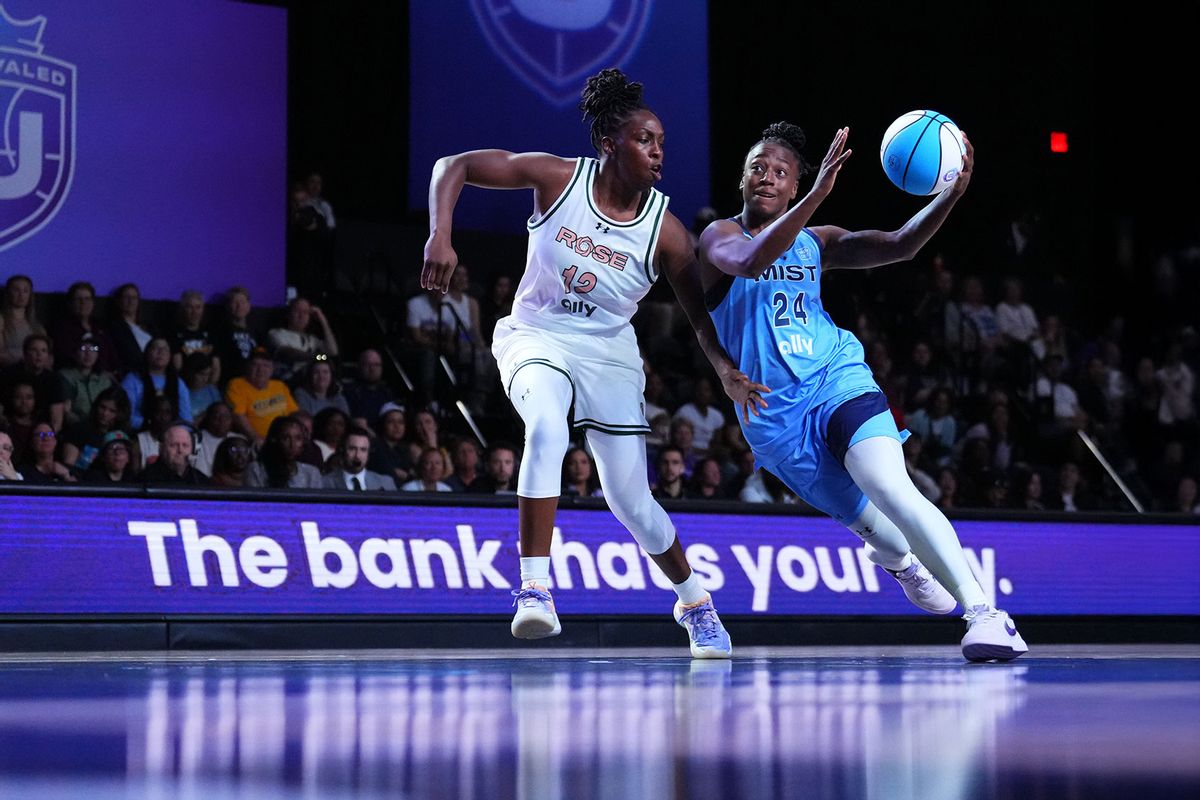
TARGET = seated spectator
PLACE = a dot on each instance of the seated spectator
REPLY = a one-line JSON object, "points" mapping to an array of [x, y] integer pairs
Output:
{"points": [[353, 474], [497, 305], [1058, 403], [1014, 317], [501, 473], [8, 472], [1028, 485], [1070, 494], [191, 335], [1185, 496], [658, 399], [429, 471], [660, 432], [984, 332], [278, 465], [82, 441], [22, 418], [293, 347], [258, 399], [948, 486], [18, 321], [764, 487], [923, 378], [367, 394], [389, 453], [34, 368], [925, 484], [125, 327], [329, 430], [162, 413], [82, 381], [114, 461], [431, 332], [320, 388], [1178, 384], [706, 419], [311, 454], [216, 428], [156, 378], [579, 475], [69, 331], [235, 339], [426, 434], [230, 462], [683, 435], [40, 465], [707, 481], [465, 461], [937, 427], [1051, 340], [668, 480], [1003, 447], [173, 465], [198, 375]]}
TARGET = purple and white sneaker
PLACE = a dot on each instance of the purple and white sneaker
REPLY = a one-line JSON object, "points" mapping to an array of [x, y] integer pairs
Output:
{"points": [[708, 636], [991, 636], [535, 617]]}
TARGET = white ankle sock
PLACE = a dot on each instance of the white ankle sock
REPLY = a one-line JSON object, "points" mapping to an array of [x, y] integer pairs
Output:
{"points": [[536, 569], [690, 591]]}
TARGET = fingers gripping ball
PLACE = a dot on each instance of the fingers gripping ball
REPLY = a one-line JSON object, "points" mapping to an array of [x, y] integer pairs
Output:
{"points": [[922, 152]]}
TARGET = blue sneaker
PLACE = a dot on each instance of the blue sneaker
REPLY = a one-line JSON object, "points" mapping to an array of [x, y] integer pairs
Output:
{"points": [[707, 634], [535, 617]]}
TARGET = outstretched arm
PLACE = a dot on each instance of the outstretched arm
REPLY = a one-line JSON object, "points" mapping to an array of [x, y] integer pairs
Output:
{"points": [[680, 267], [546, 174], [723, 245], [843, 249]]}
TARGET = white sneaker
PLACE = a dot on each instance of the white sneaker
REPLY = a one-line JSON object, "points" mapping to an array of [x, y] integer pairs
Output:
{"points": [[706, 634], [991, 636], [924, 590], [535, 617]]}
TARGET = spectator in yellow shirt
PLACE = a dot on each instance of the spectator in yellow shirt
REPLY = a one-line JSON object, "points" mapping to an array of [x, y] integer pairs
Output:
{"points": [[257, 398]]}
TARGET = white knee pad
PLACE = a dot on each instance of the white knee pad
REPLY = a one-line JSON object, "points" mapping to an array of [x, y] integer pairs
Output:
{"points": [[542, 396], [621, 464]]}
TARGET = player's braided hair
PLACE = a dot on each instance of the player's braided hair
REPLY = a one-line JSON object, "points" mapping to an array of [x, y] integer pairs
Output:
{"points": [[792, 137], [608, 98]]}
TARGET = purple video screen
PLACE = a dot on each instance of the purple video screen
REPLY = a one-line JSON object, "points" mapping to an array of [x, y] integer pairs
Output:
{"points": [[88, 555], [511, 77], [145, 141]]}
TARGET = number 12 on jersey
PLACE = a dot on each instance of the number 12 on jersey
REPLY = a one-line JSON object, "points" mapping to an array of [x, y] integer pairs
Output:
{"points": [[586, 282], [780, 302]]}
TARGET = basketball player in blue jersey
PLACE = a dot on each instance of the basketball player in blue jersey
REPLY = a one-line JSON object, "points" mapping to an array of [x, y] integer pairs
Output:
{"points": [[600, 234], [828, 433]]}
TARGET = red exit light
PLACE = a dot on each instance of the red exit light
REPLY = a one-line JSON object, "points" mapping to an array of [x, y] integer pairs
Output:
{"points": [[1058, 142]]}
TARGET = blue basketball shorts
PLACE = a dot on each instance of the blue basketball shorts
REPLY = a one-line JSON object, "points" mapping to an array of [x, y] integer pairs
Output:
{"points": [[816, 470]]}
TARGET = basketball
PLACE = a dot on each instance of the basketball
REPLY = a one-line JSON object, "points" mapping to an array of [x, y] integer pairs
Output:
{"points": [[922, 152]]}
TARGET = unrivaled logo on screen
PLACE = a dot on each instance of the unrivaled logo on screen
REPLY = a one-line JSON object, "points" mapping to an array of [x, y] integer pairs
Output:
{"points": [[37, 137], [553, 46]]}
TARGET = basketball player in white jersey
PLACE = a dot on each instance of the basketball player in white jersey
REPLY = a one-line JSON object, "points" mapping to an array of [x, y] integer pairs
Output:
{"points": [[599, 236]]}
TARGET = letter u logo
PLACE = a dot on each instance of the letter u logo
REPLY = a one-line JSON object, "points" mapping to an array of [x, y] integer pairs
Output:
{"points": [[29, 159]]}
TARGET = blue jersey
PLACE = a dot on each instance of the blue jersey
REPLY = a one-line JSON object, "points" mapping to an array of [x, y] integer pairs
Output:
{"points": [[777, 331]]}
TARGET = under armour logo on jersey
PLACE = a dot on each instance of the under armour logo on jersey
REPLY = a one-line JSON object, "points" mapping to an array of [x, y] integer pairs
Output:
{"points": [[601, 225]]}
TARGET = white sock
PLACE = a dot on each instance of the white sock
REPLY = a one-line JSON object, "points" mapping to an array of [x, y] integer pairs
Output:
{"points": [[536, 569], [690, 591]]}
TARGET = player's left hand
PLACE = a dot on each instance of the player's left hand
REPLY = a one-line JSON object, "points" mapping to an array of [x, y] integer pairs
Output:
{"points": [[964, 177], [747, 396]]}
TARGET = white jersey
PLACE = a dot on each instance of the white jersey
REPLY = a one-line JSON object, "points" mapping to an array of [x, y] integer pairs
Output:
{"points": [[585, 272]]}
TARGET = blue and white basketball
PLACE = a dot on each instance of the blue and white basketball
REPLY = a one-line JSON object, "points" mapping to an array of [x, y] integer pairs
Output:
{"points": [[922, 152]]}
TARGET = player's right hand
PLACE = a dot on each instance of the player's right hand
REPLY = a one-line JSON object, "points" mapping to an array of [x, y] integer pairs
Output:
{"points": [[440, 262], [832, 163]]}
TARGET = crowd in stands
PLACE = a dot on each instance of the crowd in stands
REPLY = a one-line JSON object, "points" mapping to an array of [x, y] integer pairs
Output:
{"points": [[1008, 398]]}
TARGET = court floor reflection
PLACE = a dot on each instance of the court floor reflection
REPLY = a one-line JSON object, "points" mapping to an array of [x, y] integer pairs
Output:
{"points": [[843, 722]]}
